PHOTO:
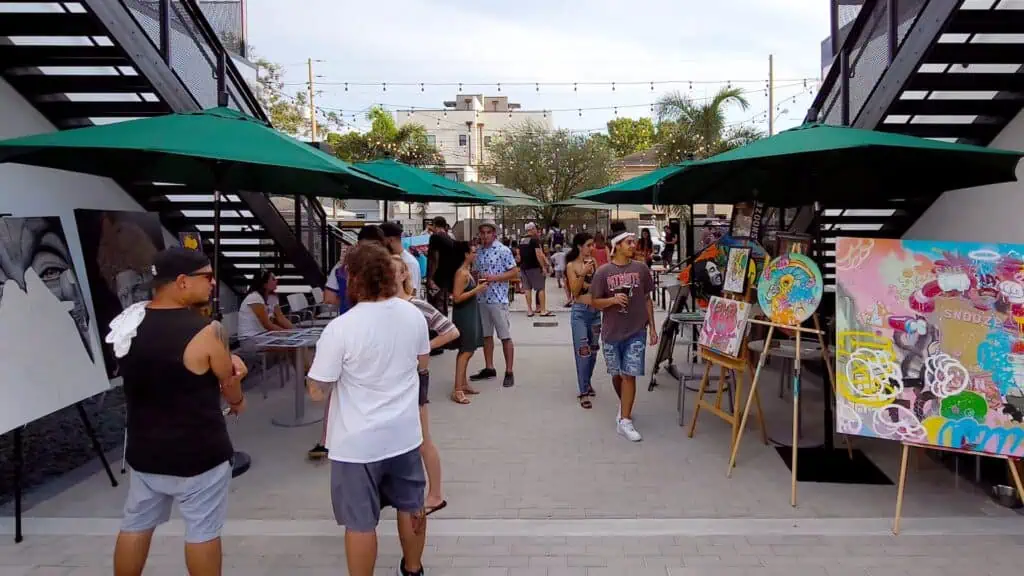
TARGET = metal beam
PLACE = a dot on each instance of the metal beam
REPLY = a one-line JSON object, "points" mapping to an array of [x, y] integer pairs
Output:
{"points": [[928, 81], [977, 132], [296, 253], [260, 234], [28, 56], [996, 108], [15, 24], [66, 109], [921, 36], [77, 83], [976, 54], [987, 22], [161, 205]]}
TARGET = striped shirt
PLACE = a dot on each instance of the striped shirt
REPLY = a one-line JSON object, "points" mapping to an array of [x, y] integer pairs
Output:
{"points": [[436, 321]]}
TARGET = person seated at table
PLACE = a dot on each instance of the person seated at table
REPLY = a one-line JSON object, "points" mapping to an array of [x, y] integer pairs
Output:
{"points": [[259, 311]]}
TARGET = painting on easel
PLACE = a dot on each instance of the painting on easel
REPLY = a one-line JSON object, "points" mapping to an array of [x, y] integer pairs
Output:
{"points": [[790, 289], [736, 271], [930, 343], [724, 326]]}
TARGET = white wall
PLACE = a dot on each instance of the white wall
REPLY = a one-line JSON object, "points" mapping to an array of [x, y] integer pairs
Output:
{"points": [[983, 214]]}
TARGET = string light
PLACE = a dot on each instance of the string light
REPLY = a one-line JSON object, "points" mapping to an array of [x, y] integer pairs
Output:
{"points": [[575, 84]]}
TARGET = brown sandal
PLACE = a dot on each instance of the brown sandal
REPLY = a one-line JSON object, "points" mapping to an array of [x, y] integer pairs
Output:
{"points": [[459, 397], [470, 390], [585, 402]]}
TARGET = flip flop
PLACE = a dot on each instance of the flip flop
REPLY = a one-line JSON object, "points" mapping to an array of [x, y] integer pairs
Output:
{"points": [[585, 402], [428, 510], [548, 314], [459, 397], [529, 314]]}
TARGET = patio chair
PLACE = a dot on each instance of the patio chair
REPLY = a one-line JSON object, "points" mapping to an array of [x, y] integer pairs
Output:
{"points": [[301, 313], [322, 310]]}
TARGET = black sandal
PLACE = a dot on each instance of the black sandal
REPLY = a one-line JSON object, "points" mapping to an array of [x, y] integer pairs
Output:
{"points": [[585, 402], [428, 510]]}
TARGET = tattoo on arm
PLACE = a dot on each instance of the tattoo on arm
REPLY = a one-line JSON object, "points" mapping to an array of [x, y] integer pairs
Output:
{"points": [[222, 333]]}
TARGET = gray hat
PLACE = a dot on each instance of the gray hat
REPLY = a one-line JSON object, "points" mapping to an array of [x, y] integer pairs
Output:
{"points": [[485, 223]]}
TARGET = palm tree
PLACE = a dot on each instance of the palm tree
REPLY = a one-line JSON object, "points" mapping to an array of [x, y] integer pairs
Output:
{"points": [[385, 139], [687, 128]]}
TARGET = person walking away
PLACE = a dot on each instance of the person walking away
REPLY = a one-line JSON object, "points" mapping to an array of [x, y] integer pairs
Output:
{"points": [[556, 236], [622, 291], [600, 251], [671, 241], [535, 267], [446, 331], [393, 235], [496, 266], [176, 368], [584, 319], [558, 261], [371, 358], [259, 311], [645, 248], [466, 315], [440, 260]]}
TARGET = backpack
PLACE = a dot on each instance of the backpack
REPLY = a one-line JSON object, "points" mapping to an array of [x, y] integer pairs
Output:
{"points": [[558, 238]]}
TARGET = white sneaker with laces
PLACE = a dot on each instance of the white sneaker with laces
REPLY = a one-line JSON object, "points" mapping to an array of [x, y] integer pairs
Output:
{"points": [[627, 430]]}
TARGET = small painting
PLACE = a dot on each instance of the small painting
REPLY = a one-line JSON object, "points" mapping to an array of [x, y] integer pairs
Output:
{"points": [[787, 243], [725, 325], [736, 271], [190, 240], [790, 289]]}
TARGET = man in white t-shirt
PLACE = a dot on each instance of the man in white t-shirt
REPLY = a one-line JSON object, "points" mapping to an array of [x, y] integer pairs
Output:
{"points": [[393, 232], [372, 356]]}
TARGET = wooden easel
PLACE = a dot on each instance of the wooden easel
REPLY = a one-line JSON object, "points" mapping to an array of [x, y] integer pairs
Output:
{"points": [[738, 367], [1010, 461]]}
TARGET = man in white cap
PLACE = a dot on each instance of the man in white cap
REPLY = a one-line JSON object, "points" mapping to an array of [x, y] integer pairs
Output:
{"points": [[535, 268], [622, 290], [496, 265]]}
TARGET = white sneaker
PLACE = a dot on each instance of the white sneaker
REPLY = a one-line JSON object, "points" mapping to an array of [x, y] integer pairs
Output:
{"points": [[618, 416], [627, 430]]}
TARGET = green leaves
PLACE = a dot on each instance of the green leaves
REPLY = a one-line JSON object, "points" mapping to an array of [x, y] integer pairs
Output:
{"points": [[629, 135]]}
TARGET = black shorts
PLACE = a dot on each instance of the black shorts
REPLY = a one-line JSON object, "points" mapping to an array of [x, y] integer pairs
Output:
{"points": [[424, 388]]}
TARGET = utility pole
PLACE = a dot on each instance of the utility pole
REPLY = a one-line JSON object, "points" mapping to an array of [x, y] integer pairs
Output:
{"points": [[312, 103], [771, 95]]}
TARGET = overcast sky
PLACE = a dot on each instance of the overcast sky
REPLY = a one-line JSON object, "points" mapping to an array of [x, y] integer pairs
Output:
{"points": [[530, 41]]}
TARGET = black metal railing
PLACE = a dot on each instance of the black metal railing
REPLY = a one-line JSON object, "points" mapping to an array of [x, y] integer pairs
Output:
{"points": [[307, 221], [865, 50]]}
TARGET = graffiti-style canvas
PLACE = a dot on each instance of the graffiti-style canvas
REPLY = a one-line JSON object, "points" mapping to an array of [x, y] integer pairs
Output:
{"points": [[724, 326], [930, 343], [736, 271], [790, 289]]}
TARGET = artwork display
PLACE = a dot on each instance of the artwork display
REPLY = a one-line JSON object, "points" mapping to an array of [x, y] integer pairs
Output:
{"points": [[190, 240], [118, 248], [736, 272], [790, 289], [724, 326], [46, 347], [706, 276], [930, 343], [786, 243]]}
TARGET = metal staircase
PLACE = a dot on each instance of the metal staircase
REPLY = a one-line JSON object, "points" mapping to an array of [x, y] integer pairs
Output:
{"points": [[89, 62], [943, 69]]}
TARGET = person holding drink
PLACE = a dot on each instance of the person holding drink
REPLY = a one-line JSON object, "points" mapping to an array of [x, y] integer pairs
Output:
{"points": [[466, 316], [584, 319], [622, 291]]}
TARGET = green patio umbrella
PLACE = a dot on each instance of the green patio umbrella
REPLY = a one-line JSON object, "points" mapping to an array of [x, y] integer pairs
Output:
{"points": [[421, 185], [816, 162], [218, 149], [506, 197], [641, 189]]}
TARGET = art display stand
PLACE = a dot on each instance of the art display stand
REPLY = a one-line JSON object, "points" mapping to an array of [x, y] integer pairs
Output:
{"points": [[19, 463], [738, 367], [904, 460]]}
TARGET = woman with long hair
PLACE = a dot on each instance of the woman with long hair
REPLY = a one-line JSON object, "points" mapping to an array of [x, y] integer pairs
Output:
{"points": [[446, 332], [584, 319], [466, 315], [259, 311], [600, 251], [645, 248]]}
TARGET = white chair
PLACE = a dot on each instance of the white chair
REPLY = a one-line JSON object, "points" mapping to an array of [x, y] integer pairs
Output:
{"points": [[246, 353], [323, 309]]}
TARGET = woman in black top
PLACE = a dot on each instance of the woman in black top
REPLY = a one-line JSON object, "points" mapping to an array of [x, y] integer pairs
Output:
{"points": [[645, 247], [584, 319]]}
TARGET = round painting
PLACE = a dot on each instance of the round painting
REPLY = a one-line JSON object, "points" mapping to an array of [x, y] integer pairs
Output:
{"points": [[790, 289]]}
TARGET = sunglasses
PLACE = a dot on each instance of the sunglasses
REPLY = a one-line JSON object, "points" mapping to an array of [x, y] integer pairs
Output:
{"points": [[207, 275]]}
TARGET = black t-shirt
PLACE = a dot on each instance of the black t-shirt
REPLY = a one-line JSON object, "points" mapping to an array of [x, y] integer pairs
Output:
{"points": [[175, 423], [441, 245], [669, 237], [528, 253]]}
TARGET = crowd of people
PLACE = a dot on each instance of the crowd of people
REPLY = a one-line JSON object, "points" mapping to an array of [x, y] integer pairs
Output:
{"points": [[371, 368]]}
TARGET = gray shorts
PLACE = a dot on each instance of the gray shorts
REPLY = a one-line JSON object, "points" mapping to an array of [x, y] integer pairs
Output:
{"points": [[494, 319], [360, 491], [202, 501], [533, 279]]}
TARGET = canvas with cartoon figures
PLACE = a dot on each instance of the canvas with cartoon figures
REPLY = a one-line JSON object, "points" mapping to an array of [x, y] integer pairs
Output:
{"points": [[724, 326], [930, 343]]}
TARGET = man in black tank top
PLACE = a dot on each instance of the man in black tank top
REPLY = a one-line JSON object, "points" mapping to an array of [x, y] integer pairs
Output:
{"points": [[176, 369]]}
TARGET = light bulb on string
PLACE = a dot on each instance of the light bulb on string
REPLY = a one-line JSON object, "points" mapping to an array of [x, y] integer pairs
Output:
{"points": [[384, 85], [581, 112], [652, 86], [691, 84], [445, 113], [574, 87], [537, 86], [616, 110], [460, 86], [499, 86], [346, 86], [613, 86]]}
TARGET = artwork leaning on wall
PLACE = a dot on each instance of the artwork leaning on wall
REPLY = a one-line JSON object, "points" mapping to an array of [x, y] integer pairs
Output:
{"points": [[46, 348], [930, 343]]}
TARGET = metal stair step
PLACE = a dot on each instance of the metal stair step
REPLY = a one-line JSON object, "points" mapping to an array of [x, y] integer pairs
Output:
{"points": [[966, 81], [32, 56], [15, 24], [79, 84], [950, 53], [969, 21], [66, 109], [1002, 108], [980, 132], [162, 204]]}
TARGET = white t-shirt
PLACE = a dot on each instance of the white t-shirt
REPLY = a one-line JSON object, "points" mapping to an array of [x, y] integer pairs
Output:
{"points": [[559, 260], [414, 270], [332, 279], [248, 324], [371, 352]]}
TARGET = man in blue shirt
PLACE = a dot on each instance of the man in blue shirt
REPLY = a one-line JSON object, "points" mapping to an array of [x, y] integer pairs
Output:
{"points": [[496, 265]]}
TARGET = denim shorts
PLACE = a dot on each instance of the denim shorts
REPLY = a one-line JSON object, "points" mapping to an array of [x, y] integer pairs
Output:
{"points": [[360, 491], [627, 357], [202, 501]]}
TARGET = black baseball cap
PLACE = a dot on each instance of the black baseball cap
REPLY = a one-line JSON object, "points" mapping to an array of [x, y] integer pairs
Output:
{"points": [[440, 222], [391, 229], [176, 261]]}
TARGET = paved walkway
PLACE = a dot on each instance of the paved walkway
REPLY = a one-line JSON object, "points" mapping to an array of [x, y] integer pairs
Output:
{"points": [[539, 486]]}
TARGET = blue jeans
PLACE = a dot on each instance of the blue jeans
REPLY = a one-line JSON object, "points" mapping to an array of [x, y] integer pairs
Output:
{"points": [[586, 330], [626, 358]]}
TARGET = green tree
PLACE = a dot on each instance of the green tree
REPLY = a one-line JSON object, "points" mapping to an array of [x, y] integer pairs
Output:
{"points": [[406, 144], [289, 113], [549, 166], [629, 135], [687, 128]]}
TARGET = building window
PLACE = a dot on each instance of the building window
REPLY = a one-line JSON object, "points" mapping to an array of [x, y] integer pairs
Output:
{"points": [[454, 176], [487, 140], [431, 139], [463, 138]]}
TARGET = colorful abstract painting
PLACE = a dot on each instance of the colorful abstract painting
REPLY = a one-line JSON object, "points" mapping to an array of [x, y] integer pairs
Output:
{"points": [[736, 271], [724, 326], [930, 343], [790, 289]]}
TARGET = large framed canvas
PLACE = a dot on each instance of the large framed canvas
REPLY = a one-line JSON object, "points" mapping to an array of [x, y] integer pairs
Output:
{"points": [[46, 347], [118, 247], [930, 343], [724, 326]]}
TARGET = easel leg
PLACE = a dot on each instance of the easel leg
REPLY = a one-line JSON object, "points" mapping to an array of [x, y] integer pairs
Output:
{"points": [[796, 421], [95, 442], [746, 408], [899, 489], [19, 463], [826, 356], [1016, 477], [735, 398], [700, 398]]}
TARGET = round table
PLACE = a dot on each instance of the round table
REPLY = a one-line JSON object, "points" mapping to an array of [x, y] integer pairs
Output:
{"points": [[786, 350]]}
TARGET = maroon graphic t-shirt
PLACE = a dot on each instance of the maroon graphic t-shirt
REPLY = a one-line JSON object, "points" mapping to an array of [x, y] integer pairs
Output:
{"points": [[635, 281]]}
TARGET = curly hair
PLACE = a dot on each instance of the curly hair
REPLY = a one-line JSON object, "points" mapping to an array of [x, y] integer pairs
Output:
{"points": [[370, 273]]}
